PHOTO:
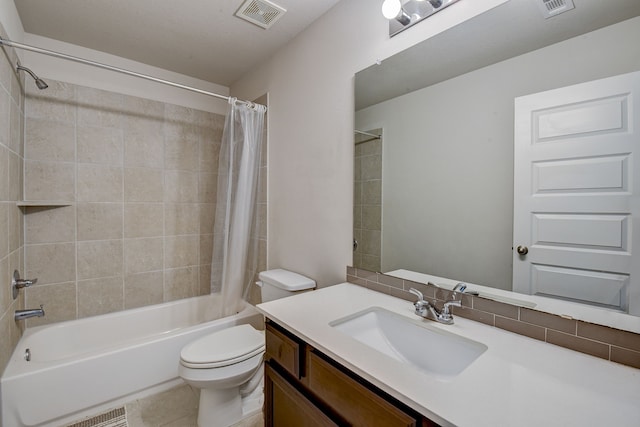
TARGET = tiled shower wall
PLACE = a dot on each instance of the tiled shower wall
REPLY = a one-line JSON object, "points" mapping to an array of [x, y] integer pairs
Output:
{"points": [[11, 217], [367, 212], [139, 177]]}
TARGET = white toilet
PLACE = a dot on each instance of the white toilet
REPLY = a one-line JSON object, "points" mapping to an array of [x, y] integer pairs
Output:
{"points": [[227, 365]]}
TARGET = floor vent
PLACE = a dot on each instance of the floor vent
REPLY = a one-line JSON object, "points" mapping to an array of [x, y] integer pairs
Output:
{"points": [[551, 8], [262, 13], [114, 418]]}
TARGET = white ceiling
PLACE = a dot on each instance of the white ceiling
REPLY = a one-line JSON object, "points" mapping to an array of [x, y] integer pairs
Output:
{"points": [[198, 38]]}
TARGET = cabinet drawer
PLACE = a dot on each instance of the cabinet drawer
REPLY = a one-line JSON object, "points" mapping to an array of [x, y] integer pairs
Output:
{"points": [[288, 407], [354, 402], [283, 349]]}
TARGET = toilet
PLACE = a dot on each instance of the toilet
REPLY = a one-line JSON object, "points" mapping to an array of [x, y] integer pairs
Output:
{"points": [[227, 365]]}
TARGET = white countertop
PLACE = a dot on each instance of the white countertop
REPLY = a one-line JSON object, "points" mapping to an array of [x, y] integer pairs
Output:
{"points": [[518, 381]]}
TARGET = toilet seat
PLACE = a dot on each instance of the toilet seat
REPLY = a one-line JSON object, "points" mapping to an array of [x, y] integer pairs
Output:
{"points": [[223, 348]]}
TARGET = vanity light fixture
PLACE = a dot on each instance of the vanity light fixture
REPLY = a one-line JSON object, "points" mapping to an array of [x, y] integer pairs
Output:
{"points": [[403, 14], [392, 9]]}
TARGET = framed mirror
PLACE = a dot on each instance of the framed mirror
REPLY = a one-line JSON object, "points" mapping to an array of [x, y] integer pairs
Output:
{"points": [[445, 112]]}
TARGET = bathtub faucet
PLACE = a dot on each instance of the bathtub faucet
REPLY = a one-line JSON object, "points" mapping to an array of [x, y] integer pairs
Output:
{"points": [[32, 312]]}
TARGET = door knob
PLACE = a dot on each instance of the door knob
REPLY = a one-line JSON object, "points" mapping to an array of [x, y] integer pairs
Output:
{"points": [[522, 250]]}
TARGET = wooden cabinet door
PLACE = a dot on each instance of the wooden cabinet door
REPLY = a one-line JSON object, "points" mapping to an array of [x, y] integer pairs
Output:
{"points": [[287, 407], [354, 402], [283, 349]]}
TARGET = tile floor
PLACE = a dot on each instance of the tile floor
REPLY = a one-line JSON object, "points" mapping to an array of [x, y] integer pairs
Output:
{"points": [[177, 407]]}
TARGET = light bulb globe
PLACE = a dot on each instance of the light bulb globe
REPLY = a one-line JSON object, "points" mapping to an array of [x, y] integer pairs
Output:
{"points": [[391, 8]]}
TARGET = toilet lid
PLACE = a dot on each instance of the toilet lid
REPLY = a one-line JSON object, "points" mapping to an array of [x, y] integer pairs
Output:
{"points": [[222, 348]]}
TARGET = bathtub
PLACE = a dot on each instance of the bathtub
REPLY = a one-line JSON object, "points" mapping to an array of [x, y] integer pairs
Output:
{"points": [[81, 367]]}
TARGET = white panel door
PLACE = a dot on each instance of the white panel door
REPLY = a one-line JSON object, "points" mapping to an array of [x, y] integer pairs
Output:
{"points": [[576, 182]]}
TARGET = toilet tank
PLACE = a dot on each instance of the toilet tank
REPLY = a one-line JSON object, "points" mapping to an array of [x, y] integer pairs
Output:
{"points": [[281, 283]]}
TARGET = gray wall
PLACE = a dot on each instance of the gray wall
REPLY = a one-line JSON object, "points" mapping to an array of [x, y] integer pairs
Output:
{"points": [[310, 86], [448, 156]]}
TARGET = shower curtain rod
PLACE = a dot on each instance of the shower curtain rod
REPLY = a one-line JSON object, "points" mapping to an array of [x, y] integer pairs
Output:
{"points": [[35, 49], [367, 134]]}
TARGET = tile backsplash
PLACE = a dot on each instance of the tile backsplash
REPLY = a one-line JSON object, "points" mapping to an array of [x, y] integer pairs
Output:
{"points": [[600, 341]]}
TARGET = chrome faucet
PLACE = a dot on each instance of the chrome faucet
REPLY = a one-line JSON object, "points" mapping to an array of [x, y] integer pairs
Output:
{"points": [[429, 311], [32, 312], [460, 287]]}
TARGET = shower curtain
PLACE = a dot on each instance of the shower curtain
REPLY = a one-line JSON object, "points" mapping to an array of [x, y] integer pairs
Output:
{"points": [[235, 237]]}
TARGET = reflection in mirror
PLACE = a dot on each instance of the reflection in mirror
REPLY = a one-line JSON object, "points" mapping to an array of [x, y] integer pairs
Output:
{"points": [[367, 202], [446, 107]]}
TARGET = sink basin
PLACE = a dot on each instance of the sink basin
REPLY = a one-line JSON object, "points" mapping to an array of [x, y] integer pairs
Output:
{"points": [[411, 341]]}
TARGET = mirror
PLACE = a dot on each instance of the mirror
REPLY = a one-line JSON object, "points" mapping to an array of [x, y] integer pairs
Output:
{"points": [[445, 108]]}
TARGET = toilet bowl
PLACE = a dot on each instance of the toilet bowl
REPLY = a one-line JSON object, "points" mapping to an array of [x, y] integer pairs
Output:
{"points": [[227, 365], [218, 364]]}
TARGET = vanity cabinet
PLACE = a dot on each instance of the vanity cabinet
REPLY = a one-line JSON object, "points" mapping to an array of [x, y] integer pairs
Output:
{"points": [[304, 387]]}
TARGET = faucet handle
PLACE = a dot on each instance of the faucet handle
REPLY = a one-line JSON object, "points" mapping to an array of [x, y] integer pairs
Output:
{"points": [[453, 303], [445, 308], [417, 293], [25, 283], [17, 283], [22, 283], [421, 305], [460, 287]]}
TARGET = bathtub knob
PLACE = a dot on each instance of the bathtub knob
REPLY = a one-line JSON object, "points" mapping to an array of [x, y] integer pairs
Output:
{"points": [[17, 283]]}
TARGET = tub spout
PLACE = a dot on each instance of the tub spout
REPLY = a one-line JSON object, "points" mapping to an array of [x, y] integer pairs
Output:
{"points": [[32, 312]]}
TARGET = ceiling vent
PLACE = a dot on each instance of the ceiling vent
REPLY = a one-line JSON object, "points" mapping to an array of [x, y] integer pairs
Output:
{"points": [[551, 8], [262, 13]]}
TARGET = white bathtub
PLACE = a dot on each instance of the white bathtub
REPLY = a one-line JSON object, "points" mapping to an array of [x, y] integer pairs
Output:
{"points": [[81, 367]]}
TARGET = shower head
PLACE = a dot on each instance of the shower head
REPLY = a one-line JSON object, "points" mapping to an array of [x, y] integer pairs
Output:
{"points": [[39, 82]]}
